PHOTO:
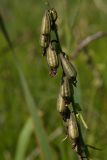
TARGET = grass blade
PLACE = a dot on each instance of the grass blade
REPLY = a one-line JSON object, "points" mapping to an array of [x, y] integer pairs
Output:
{"points": [[4, 31], [24, 139], [42, 139], [39, 130]]}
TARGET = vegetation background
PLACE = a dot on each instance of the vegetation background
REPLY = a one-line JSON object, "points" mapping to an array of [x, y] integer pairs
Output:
{"points": [[27, 92]]}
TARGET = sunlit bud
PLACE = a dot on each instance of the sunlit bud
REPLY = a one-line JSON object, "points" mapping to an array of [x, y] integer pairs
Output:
{"points": [[46, 28], [68, 68], [73, 132], [52, 60], [45, 41], [65, 88], [60, 104]]}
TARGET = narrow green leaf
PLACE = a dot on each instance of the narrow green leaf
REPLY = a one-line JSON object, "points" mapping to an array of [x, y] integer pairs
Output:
{"points": [[3, 29], [63, 153], [83, 121], [92, 147], [39, 130], [23, 140], [43, 141]]}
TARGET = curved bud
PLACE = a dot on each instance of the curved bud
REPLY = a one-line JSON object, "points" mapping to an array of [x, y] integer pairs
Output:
{"points": [[60, 104], [65, 89], [46, 28], [68, 68], [73, 132], [63, 108], [52, 60], [44, 40]]}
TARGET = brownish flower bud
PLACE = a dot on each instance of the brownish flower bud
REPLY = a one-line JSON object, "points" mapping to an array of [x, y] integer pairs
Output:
{"points": [[44, 42], [60, 104], [73, 132], [46, 26], [68, 68], [52, 60], [65, 89]]}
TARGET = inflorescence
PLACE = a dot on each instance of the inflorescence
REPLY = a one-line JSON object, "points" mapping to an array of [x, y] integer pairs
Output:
{"points": [[51, 48]]}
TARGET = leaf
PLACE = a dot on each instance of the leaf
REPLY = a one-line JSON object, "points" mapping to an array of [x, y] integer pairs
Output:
{"points": [[83, 121], [92, 147], [41, 135], [3, 29], [23, 140], [39, 130]]}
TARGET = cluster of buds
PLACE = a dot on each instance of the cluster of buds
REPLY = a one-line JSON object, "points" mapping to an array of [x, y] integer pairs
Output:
{"points": [[65, 97], [49, 45], [54, 54], [52, 49]]}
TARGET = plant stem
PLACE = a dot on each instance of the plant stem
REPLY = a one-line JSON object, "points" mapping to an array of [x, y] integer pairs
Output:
{"points": [[82, 149]]}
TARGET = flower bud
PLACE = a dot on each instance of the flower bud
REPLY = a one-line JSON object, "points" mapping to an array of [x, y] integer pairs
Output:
{"points": [[65, 89], [46, 28], [60, 104], [73, 132], [52, 60], [68, 68], [44, 42]]}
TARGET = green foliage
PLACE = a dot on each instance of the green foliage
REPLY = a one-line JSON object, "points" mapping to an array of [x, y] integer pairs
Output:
{"points": [[24, 139]]}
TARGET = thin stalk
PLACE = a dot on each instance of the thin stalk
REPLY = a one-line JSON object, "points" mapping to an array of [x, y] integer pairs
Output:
{"points": [[82, 150], [84, 154]]}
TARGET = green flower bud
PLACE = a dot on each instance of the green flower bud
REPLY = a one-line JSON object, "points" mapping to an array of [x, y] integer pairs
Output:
{"points": [[52, 60], [68, 68], [73, 132], [60, 104], [46, 26], [44, 42]]}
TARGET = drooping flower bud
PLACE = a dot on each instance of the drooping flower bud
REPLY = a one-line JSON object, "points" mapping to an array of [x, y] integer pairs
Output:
{"points": [[52, 59], [46, 24], [44, 41], [65, 87], [73, 132], [68, 68], [60, 104], [63, 108]]}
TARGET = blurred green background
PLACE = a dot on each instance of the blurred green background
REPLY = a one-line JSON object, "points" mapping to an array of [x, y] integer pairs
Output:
{"points": [[27, 91]]}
